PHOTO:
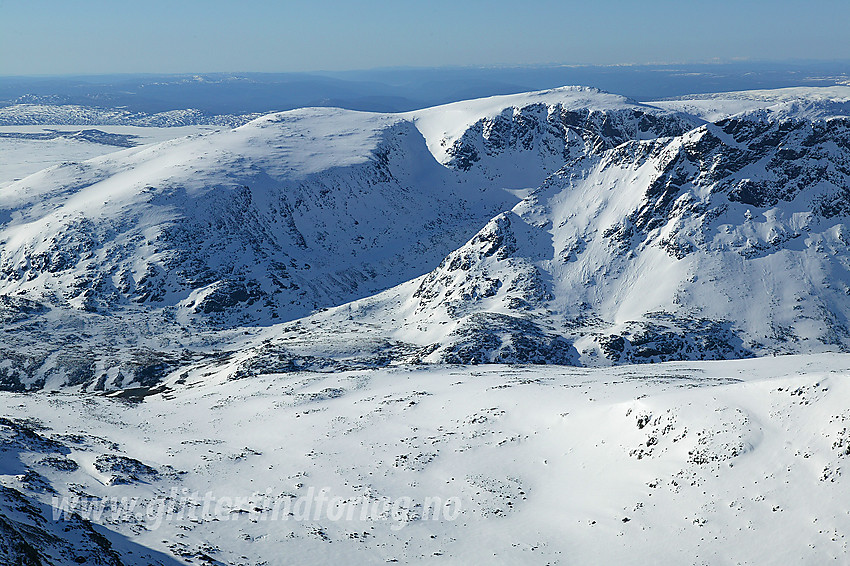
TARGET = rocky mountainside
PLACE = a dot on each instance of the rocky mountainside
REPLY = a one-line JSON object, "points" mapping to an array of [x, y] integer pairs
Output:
{"points": [[293, 212], [728, 241], [598, 230]]}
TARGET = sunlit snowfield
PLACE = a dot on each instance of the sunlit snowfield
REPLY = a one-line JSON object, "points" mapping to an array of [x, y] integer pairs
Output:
{"points": [[736, 462], [27, 149]]}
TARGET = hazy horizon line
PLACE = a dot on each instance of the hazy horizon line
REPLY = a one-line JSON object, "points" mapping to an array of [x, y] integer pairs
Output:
{"points": [[481, 67]]}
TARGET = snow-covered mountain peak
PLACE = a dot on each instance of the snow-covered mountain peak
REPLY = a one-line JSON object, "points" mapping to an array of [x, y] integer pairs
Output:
{"points": [[443, 125], [300, 142], [226, 202], [292, 278], [509, 139]]}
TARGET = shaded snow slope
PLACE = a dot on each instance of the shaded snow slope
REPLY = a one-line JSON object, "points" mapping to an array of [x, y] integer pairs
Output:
{"points": [[293, 211], [281, 216]]}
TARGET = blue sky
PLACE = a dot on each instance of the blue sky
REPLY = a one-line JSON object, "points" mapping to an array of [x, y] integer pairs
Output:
{"points": [[93, 36]]}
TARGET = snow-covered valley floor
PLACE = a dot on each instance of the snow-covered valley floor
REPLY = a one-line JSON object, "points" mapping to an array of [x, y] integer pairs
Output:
{"points": [[732, 462]]}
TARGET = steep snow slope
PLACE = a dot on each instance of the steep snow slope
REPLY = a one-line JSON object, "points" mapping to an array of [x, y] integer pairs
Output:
{"points": [[296, 210], [737, 462], [632, 235], [239, 217], [742, 224], [724, 240]]}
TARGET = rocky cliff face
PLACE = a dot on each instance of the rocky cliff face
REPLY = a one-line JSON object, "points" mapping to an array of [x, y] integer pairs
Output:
{"points": [[33, 533], [723, 242], [551, 135]]}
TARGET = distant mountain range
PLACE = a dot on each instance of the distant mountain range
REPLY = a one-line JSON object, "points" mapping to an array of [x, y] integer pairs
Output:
{"points": [[400, 89]]}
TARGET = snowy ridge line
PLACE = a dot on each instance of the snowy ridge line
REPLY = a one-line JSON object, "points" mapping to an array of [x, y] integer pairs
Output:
{"points": [[812, 103]]}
